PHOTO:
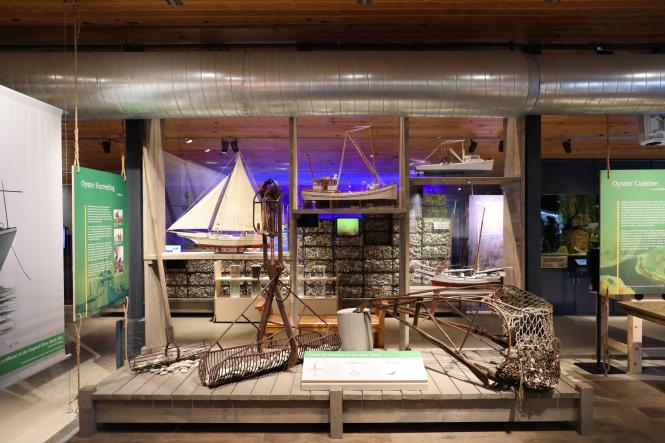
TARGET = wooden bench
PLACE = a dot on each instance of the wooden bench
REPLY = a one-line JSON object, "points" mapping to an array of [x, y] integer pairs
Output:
{"points": [[638, 310], [313, 323]]}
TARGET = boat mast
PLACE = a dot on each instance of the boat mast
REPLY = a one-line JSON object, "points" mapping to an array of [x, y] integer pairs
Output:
{"points": [[311, 169], [476, 264], [4, 199], [375, 177]]}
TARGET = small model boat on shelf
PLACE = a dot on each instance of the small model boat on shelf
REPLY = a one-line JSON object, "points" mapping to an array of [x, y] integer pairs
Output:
{"points": [[222, 218], [466, 164], [457, 278], [327, 188]]}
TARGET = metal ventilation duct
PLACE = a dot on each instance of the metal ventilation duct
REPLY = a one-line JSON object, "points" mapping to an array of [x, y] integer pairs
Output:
{"points": [[280, 83]]}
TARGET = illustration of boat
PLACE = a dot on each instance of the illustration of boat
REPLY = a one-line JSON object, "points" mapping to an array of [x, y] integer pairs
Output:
{"points": [[327, 188], [467, 164], [7, 233], [223, 217]]}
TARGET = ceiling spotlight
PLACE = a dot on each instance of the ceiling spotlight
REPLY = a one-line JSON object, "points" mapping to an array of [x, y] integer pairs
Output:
{"points": [[234, 145], [207, 150], [500, 145], [174, 2], [472, 146], [567, 146], [225, 146], [106, 146], [364, 2], [188, 140]]}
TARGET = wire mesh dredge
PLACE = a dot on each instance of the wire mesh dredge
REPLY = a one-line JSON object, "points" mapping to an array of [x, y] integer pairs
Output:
{"points": [[534, 356], [220, 366], [527, 343], [167, 355]]}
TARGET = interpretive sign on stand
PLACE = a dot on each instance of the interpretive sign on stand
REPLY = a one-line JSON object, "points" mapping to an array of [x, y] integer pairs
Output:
{"points": [[398, 370], [632, 232], [100, 240]]}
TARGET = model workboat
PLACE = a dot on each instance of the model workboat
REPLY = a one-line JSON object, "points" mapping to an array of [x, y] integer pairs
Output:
{"points": [[466, 164], [456, 278], [327, 188], [223, 217]]}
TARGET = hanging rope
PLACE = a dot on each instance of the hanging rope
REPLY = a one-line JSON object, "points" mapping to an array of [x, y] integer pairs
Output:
{"points": [[122, 167], [66, 133], [607, 142], [125, 320], [77, 31]]}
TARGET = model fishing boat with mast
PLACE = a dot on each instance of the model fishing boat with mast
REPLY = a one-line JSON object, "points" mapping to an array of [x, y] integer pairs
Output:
{"points": [[470, 276], [7, 233], [223, 217], [327, 188], [466, 164]]}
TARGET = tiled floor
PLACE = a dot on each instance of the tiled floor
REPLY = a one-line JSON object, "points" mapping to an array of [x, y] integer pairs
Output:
{"points": [[626, 408]]}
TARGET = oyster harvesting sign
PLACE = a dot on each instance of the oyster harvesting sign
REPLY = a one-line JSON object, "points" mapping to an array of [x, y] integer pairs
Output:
{"points": [[100, 242], [632, 232]]}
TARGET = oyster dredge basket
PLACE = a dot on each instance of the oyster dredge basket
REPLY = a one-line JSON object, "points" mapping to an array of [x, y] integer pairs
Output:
{"points": [[226, 365], [166, 355]]}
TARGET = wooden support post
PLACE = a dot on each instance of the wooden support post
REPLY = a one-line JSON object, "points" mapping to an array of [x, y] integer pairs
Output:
{"points": [[404, 234], [336, 413], [293, 221], [634, 342], [604, 346], [87, 424], [585, 409]]}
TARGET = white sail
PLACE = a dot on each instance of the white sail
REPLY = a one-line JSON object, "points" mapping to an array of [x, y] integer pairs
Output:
{"points": [[235, 210], [200, 215]]}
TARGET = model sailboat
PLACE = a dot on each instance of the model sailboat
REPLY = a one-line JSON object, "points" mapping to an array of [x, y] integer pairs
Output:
{"points": [[466, 164], [222, 218], [327, 188], [470, 276]]}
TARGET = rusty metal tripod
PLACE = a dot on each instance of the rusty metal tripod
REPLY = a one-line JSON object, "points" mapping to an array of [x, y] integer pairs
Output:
{"points": [[221, 365]]}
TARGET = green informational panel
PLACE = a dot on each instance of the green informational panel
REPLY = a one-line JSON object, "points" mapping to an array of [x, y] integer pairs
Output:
{"points": [[99, 205], [632, 232]]}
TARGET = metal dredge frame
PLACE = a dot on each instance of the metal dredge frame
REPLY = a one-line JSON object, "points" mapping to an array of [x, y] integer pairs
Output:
{"points": [[527, 341], [221, 365]]}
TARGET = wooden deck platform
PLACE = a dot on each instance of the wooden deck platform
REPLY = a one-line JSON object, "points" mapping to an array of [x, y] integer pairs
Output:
{"points": [[452, 395]]}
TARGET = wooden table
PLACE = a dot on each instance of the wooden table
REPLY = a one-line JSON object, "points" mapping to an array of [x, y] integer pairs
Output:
{"points": [[638, 310]]}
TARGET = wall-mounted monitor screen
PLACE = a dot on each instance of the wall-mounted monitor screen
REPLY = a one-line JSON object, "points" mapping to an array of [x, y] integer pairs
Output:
{"points": [[348, 227]]}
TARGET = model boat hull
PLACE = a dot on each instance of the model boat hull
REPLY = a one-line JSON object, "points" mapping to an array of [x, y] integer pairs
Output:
{"points": [[384, 193], [6, 240], [453, 281], [470, 168], [223, 241]]}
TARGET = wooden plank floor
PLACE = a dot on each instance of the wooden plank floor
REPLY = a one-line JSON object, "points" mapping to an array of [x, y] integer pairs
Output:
{"points": [[452, 394], [448, 379]]}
